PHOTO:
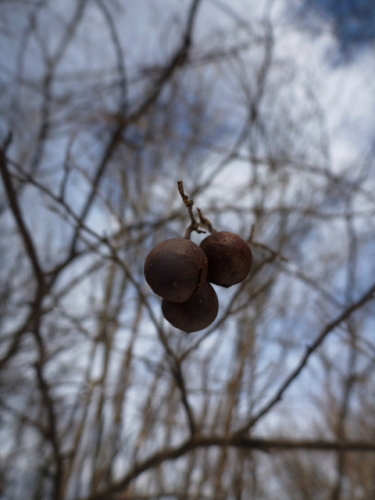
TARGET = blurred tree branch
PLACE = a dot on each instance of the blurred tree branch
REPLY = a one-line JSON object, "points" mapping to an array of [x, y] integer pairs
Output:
{"points": [[111, 103]]}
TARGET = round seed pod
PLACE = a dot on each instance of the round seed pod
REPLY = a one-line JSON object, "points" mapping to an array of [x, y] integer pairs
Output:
{"points": [[229, 258], [175, 269], [196, 313]]}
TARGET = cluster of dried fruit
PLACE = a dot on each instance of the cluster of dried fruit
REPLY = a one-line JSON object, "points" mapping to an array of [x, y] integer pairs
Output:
{"points": [[180, 272]]}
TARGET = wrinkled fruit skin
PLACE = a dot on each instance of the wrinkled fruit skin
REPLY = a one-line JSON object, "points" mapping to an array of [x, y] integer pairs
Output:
{"points": [[196, 313], [229, 258], [175, 269]]}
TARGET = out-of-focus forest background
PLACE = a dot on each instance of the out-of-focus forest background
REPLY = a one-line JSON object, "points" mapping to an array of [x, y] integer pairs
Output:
{"points": [[265, 109]]}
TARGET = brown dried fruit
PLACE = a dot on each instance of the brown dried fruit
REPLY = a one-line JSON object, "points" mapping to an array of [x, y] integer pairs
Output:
{"points": [[196, 313], [175, 269], [229, 258]]}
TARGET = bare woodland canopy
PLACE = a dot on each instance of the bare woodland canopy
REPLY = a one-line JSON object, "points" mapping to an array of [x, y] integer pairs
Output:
{"points": [[105, 105]]}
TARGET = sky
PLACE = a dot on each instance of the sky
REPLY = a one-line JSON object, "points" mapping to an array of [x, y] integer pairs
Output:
{"points": [[329, 49]]}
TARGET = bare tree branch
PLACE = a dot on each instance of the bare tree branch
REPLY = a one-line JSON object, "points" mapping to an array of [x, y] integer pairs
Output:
{"points": [[16, 210], [366, 297], [243, 443]]}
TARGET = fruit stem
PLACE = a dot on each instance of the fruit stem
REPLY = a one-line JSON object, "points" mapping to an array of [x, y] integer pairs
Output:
{"points": [[205, 222], [194, 226]]}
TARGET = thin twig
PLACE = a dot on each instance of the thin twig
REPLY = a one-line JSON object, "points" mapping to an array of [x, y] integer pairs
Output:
{"points": [[270, 250], [254, 243]]}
